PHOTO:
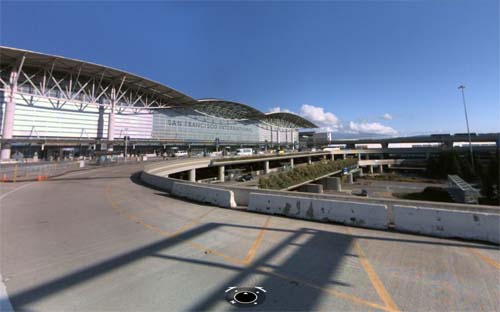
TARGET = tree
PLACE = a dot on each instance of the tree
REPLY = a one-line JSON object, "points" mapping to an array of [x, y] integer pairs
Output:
{"points": [[490, 180]]}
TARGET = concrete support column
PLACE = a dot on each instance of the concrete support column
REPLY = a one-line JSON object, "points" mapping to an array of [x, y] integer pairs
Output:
{"points": [[293, 142], [291, 163], [266, 167], [359, 156], [10, 110], [324, 157], [111, 120], [343, 156], [222, 173], [333, 156], [309, 160], [350, 179], [381, 168], [333, 184], [371, 169], [192, 175]]}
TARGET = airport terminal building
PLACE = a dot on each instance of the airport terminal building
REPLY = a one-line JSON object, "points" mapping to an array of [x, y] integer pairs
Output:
{"points": [[55, 104]]}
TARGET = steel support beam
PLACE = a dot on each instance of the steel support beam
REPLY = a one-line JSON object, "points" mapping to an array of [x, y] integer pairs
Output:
{"points": [[10, 111], [111, 120]]}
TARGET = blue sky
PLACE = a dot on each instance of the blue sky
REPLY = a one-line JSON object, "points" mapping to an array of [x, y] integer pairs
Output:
{"points": [[386, 67]]}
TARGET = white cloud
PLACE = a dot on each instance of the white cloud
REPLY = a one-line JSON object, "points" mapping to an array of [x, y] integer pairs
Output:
{"points": [[328, 121], [371, 127], [278, 109], [318, 116], [387, 116]]}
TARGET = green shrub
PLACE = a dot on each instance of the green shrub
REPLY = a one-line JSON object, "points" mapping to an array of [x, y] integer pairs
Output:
{"points": [[301, 174]]}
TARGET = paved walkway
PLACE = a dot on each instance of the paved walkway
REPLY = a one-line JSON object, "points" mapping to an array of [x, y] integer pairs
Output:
{"points": [[97, 240]]}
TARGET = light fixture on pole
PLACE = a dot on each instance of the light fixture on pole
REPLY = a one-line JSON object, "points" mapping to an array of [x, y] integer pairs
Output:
{"points": [[462, 87]]}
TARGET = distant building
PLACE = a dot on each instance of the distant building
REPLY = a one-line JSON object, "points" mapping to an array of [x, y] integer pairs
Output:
{"points": [[310, 139]]}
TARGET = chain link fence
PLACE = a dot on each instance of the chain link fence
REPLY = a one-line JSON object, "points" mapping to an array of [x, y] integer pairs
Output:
{"points": [[42, 170]]}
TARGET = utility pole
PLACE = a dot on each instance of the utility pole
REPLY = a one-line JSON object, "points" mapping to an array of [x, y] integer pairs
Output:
{"points": [[462, 87]]}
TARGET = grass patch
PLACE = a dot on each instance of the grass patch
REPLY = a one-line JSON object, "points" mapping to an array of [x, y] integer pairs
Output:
{"points": [[297, 175], [430, 193]]}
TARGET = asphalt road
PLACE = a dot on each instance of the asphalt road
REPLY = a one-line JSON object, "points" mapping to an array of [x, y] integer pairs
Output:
{"points": [[97, 240], [386, 188]]}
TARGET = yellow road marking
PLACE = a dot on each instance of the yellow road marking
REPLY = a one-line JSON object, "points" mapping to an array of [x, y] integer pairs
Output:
{"points": [[484, 258], [257, 242], [374, 279], [250, 255], [334, 293], [167, 234]]}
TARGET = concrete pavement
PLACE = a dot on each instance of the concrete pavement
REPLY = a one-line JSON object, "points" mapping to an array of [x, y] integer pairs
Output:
{"points": [[98, 240]]}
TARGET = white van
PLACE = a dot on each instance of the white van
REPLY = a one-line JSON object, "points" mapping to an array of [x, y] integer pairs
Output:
{"points": [[244, 152]]}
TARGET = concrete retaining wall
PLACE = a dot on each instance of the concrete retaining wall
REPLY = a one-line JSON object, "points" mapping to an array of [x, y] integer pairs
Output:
{"points": [[364, 215], [332, 183], [447, 223], [204, 194], [311, 188]]}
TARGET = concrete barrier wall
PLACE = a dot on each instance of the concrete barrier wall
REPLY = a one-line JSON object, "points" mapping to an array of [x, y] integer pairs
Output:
{"points": [[430, 218], [448, 223], [358, 214], [204, 194], [162, 183]]}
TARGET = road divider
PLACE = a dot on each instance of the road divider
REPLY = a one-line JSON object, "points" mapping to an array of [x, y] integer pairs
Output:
{"points": [[350, 213], [448, 223], [204, 194]]}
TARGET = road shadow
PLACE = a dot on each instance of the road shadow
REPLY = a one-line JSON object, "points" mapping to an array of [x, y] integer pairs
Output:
{"points": [[294, 265], [287, 270]]}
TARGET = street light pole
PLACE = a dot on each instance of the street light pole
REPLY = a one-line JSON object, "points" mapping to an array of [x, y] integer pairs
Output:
{"points": [[462, 87]]}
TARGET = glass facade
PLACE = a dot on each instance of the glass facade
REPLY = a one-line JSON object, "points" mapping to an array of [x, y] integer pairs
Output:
{"points": [[186, 124]]}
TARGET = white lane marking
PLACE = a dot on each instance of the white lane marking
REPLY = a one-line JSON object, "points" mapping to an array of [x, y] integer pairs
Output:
{"points": [[16, 189], [5, 305]]}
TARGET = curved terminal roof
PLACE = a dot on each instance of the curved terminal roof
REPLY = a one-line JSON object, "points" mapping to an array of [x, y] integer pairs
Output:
{"points": [[227, 109], [57, 70], [288, 120], [34, 62]]}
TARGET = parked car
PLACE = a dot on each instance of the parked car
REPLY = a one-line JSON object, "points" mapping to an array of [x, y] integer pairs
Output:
{"points": [[215, 154], [362, 193], [244, 152], [180, 154], [245, 177]]}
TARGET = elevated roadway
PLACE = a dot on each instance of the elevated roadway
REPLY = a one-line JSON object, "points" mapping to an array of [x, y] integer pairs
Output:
{"points": [[98, 240], [436, 138]]}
